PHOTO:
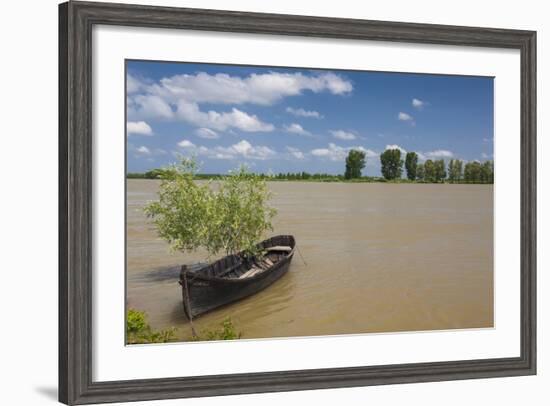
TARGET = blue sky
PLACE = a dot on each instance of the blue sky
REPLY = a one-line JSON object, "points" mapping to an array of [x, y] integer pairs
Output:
{"points": [[287, 120]]}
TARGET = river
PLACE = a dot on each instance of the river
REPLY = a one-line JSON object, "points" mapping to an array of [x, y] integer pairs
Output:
{"points": [[380, 258]]}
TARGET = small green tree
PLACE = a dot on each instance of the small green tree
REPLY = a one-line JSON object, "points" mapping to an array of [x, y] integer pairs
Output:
{"points": [[420, 173], [183, 208], [230, 218], [486, 173], [355, 162], [411, 164], [392, 164], [455, 170], [429, 171], [242, 214], [439, 171], [472, 172]]}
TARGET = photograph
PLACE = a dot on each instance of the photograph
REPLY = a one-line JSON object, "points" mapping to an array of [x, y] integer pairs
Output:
{"points": [[269, 202]]}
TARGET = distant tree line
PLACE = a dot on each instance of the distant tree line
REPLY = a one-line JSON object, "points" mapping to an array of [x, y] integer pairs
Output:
{"points": [[307, 176], [391, 166], [434, 171], [160, 172], [152, 174]]}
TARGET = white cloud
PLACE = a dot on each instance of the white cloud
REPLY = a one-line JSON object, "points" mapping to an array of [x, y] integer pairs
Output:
{"points": [[333, 152], [422, 156], [337, 153], [165, 106], [418, 104], [149, 106], [295, 152], [143, 150], [343, 135], [304, 113], [404, 117], [178, 97], [133, 84], [335, 84], [206, 133], [395, 146], [138, 127], [186, 144], [242, 149], [236, 118], [368, 152], [296, 129], [265, 89], [440, 153], [486, 156]]}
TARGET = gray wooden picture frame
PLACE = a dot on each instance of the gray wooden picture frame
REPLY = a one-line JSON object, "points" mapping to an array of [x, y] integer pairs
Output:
{"points": [[76, 20]]}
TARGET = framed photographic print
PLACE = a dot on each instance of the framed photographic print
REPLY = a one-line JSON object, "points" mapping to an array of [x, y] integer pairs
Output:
{"points": [[257, 202]]}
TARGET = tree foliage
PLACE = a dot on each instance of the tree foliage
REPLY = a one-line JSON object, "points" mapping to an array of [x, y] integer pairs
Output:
{"points": [[138, 330], [429, 171], [242, 214], [227, 331], [392, 164], [230, 216], [487, 172], [472, 172], [355, 162], [476, 172], [439, 171], [420, 174], [455, 170], [411, 164]]}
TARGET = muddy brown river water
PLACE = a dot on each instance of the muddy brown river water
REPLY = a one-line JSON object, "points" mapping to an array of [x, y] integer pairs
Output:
{"points": [[380, 258]]}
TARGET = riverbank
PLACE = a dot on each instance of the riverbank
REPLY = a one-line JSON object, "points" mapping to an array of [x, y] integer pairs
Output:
{"points": [[320, 179]]}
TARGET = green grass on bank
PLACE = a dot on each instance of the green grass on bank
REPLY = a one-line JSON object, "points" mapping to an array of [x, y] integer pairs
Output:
{"points": [[138, 331]]}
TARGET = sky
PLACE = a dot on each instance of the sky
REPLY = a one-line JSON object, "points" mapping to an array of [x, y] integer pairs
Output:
{"points": [[291, 120]]}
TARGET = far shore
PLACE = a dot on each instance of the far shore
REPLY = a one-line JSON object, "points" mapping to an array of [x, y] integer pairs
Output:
{"points": [[320, 179]]}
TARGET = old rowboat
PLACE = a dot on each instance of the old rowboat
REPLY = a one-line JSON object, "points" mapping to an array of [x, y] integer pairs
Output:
{"points": [[233, 277]]}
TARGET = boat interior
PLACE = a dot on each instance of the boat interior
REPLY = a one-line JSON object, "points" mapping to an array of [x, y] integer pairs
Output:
{"points": [[273, 250], [235, 267]]}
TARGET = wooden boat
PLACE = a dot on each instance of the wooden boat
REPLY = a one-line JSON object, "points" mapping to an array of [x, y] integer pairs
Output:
{"points": [[234, 277]]}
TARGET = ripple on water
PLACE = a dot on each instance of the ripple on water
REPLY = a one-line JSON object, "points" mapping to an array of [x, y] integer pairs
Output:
{"points": [[379, 258]]}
